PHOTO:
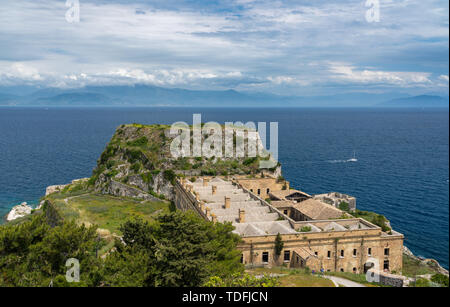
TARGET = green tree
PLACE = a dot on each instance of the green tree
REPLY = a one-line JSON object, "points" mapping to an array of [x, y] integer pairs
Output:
{"points": [[243, 280], [178, 249], [440, 279], [279, 244], [422, 282], [344, 206], [305, 229], [35, 254]]}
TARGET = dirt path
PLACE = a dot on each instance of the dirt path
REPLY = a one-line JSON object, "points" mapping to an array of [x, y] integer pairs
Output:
{"points": [[344, 282]]}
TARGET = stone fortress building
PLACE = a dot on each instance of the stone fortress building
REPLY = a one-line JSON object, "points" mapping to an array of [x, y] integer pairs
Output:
{"points": [[315, 232]]}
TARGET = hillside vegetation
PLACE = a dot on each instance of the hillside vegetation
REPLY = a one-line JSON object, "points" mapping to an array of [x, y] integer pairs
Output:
{"points": [[174, 249], [139, 157], [85, 206]]}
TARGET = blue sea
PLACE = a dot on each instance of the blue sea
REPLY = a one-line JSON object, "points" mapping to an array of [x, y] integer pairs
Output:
{"points": [[402, 169]]}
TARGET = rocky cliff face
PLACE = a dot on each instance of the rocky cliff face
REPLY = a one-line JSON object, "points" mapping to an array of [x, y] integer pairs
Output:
{"points": [[138, 163]]}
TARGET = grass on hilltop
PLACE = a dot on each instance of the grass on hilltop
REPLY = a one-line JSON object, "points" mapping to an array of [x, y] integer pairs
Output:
{"points": [[413, 267], [80, 203], [374, 218], [294, 277], [107, 212]]}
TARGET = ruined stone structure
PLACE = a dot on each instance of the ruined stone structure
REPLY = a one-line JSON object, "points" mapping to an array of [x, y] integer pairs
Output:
{"points": [[331, 243], [289, 195], [335, 199], [308, 210], [263, 186]]}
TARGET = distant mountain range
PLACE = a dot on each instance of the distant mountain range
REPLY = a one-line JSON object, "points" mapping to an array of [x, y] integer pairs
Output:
{"points": [[145, 95], [422, 101]]}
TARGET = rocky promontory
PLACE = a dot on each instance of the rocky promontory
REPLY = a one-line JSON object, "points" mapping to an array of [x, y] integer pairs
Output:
{"points": [[18, 211], [432, 263], [138, 162]]}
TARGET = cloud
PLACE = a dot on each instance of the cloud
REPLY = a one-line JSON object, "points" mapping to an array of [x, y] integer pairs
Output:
{"points": [[444, 77], [273, 46], [19, 72], [403, 79]]}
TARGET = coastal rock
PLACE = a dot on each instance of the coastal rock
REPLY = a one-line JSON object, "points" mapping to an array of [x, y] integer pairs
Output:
{"points": [[19, 211], [58, 188], [40, 205], [54, 188], [408, 252]]}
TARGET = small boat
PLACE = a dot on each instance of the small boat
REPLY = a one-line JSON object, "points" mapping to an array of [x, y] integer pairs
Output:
{"points": [[353, 159]]}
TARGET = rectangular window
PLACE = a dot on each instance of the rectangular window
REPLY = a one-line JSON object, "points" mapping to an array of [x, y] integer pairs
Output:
{"points": [[342, 253], [267, 191], [386, 251], [329, 254], [285, 212], [259, 192], [242, 258], [369, 251], [265, 257], [287, 256], [386, 265], [355, 252]]}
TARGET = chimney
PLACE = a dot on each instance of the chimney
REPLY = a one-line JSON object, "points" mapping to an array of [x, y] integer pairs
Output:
{"points": [[241, 216], [205, 182], [214, 218], [208, 211], [227, 202], [214, 189]]}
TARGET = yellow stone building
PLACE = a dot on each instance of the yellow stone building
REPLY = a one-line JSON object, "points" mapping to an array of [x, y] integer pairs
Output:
{"points": [[315, 234]]}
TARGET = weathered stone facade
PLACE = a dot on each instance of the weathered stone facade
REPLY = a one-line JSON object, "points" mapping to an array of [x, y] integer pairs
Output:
{"points": [[346, 251], [335, 199], [263, 186], [347, 245]]}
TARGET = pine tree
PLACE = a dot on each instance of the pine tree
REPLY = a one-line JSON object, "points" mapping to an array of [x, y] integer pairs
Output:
{"points": [[279, 244]]}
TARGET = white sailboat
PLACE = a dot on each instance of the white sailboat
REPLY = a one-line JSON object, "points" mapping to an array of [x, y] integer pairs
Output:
{"points": [[354, 158]]}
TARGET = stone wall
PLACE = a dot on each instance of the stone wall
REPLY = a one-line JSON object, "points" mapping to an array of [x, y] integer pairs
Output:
{"points": [[264, 185], [185, 200], [122, 190], [392, 280]]}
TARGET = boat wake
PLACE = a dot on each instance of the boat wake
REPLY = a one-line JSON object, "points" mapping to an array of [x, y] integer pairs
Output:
{"points": [[353, 159], [342, 161]]}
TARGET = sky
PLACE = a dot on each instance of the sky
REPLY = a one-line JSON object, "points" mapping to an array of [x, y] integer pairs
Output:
{"points": [[281, 47]]}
